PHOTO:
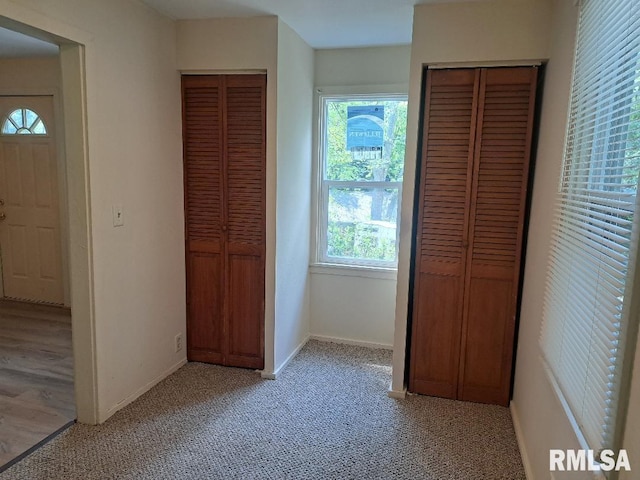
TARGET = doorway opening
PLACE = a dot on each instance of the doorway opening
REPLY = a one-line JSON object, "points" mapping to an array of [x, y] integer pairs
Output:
{"points": [[44, 249]]}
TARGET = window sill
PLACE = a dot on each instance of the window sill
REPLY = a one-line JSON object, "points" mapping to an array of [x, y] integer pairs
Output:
{"points": [[354, 271]]}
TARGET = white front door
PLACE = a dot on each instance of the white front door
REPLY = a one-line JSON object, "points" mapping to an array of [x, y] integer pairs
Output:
{"points": [[30, 241]]}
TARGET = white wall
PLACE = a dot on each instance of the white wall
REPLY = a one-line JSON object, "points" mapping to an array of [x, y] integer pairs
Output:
{"points": [[473, 33], [295, 105], [235, 45], [631, 439], [346, 306], [342, 67], [29, 76], [352, 308], [134, 151]]}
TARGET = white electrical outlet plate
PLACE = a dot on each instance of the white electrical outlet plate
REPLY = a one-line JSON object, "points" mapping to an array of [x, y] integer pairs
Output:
{"points": [[118, 215], [178, 342]]}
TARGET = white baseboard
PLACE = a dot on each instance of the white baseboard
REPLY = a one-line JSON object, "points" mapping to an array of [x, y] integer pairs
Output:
{"points": [[102, 417], [346, 341], [521, 443], [399, 394], [276, 372]]}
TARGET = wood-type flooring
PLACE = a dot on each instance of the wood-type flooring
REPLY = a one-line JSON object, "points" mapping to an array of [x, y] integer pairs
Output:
{"points": [[36, 376]]}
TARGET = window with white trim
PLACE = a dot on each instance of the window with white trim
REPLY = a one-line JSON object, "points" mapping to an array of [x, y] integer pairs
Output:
{"points": [[362, 145], [587, 307]]}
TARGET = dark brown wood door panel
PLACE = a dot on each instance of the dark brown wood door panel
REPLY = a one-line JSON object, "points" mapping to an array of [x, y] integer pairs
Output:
{"points": [[479, 229], [435, 363], [206, 330], [202, 143], [246, 311], [487, 341], [445, 185], [245, 173], [224, 127], [501, 174]]}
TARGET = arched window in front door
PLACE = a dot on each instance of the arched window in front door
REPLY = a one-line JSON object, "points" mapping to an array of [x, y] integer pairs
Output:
{"points": [[23, 121]]}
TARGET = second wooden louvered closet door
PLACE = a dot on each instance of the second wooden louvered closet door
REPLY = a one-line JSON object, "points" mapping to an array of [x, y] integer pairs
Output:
{"points": [[224, 168], [474, 172]]}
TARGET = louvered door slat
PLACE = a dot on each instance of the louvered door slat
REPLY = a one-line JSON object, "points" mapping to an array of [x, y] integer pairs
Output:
{"points": [[449, 131], [505, 119], [245, 150], [203, 163]]}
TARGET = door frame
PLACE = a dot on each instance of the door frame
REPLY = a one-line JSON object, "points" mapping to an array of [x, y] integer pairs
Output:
{"points": [[74, 45]]}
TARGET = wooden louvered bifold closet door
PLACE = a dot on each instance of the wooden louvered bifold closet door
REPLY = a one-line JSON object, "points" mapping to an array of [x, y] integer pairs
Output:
{"points": [[445, 191], [477, 131], [224, 168]]}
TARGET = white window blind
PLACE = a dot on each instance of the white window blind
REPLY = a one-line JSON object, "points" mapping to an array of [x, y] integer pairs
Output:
{"points": [[586, 308]]}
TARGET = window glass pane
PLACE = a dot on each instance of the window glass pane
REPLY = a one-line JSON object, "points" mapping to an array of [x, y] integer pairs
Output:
{"points": [[362, 223], [38, 128], [31, 117], [17, 118], [365, 140], [632, 150], [9, 128]]}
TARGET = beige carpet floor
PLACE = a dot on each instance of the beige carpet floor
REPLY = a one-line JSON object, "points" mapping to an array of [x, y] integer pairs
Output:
{"points": [[327, 416]]}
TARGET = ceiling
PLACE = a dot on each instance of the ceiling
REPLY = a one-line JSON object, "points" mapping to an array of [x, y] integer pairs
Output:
{"points": [[321, 23], [15, 45]]}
